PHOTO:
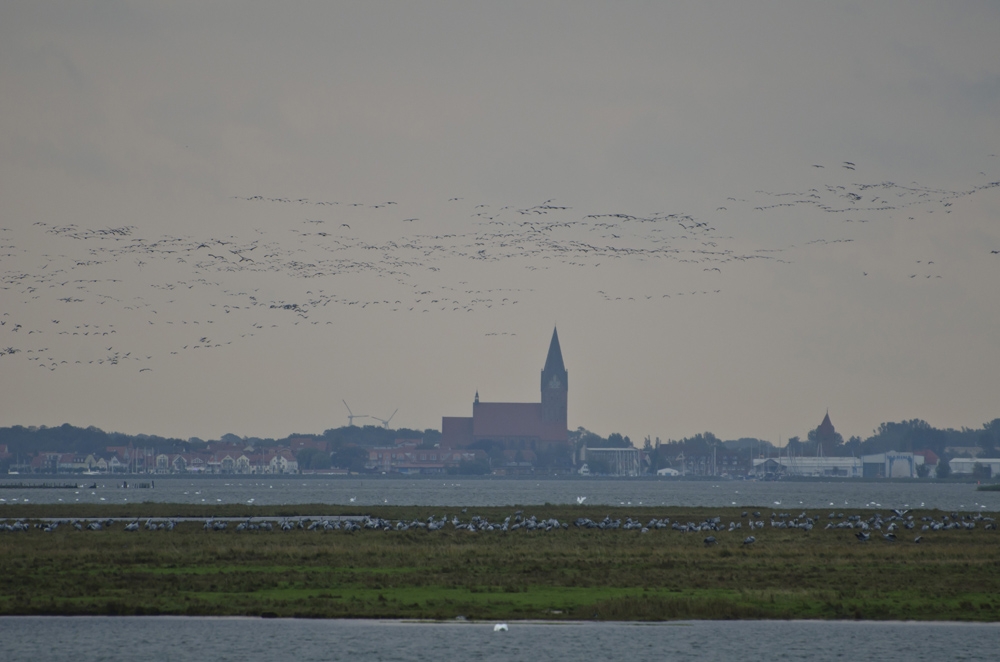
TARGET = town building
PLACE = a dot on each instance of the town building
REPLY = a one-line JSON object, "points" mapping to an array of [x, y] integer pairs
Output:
{"points": [[892, 464], [611, 461], [413, 457], [538, 427], [930, 458], [841, 467], [826, 436], [962, 465], [882, 465]]}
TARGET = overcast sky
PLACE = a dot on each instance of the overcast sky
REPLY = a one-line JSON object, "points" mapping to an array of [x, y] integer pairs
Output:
{"points": [[231, 217]]}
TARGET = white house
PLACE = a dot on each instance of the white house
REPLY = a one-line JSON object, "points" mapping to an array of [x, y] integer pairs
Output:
{"points": [[961, 465]]}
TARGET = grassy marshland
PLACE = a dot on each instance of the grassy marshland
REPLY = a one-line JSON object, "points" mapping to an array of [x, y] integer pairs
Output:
{"points": [[561, 574]]}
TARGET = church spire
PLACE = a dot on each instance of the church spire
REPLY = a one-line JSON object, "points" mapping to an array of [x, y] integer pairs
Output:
{"points": [[554, 361], [826, 425], [554, 384]]}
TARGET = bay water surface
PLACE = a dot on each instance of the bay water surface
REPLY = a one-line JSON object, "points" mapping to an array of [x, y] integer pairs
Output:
{"points": [[455, 491], [126, 639]]}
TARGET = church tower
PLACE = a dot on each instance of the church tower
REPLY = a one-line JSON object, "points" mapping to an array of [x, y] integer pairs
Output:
{"points": [[555, 384]]}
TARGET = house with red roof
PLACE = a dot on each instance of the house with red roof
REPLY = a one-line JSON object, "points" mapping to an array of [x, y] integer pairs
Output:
{"points": [[409, 456], [931, 458]]}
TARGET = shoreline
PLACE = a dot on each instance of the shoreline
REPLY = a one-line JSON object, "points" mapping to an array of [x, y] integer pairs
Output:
{"points": [[488, 623]]}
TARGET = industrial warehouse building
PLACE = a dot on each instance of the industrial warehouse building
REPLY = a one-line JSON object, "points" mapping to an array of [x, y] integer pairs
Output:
{"points": [[961, 465], [617, 461], [881, 465], [844, 467]]}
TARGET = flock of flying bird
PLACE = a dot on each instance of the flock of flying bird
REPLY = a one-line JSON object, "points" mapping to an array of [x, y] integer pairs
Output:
{"points": [[126, 294]]}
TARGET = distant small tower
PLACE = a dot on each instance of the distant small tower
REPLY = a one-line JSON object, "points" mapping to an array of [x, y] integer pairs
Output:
{"points": [[555, 384], [826, 436], [825, 429]]}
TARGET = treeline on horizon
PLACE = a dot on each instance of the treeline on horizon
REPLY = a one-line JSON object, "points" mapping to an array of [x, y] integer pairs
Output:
{"points": [[341, 447], [346, 446], [904, 436]]}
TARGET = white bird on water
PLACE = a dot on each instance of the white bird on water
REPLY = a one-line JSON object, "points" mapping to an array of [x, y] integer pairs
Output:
{"points": [[500, 627], [580, 500]]}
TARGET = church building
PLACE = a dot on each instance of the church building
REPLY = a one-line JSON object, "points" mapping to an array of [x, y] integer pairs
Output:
{"points": [[534, 426]]}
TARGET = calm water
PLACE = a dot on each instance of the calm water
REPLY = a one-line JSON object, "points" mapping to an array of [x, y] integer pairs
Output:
{"points": [[464, 491], [81, 639]]}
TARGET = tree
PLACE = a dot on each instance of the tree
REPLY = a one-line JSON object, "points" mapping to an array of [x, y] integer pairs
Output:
{"points": [[313, 458], [493, 449], [909, 436], [584, 437], [981, 471], [943, 469], [989, 438], [352, 458], [432, 437], [660, 456], [561, 458], [598, 466], [616, 440], [827, 439]]}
